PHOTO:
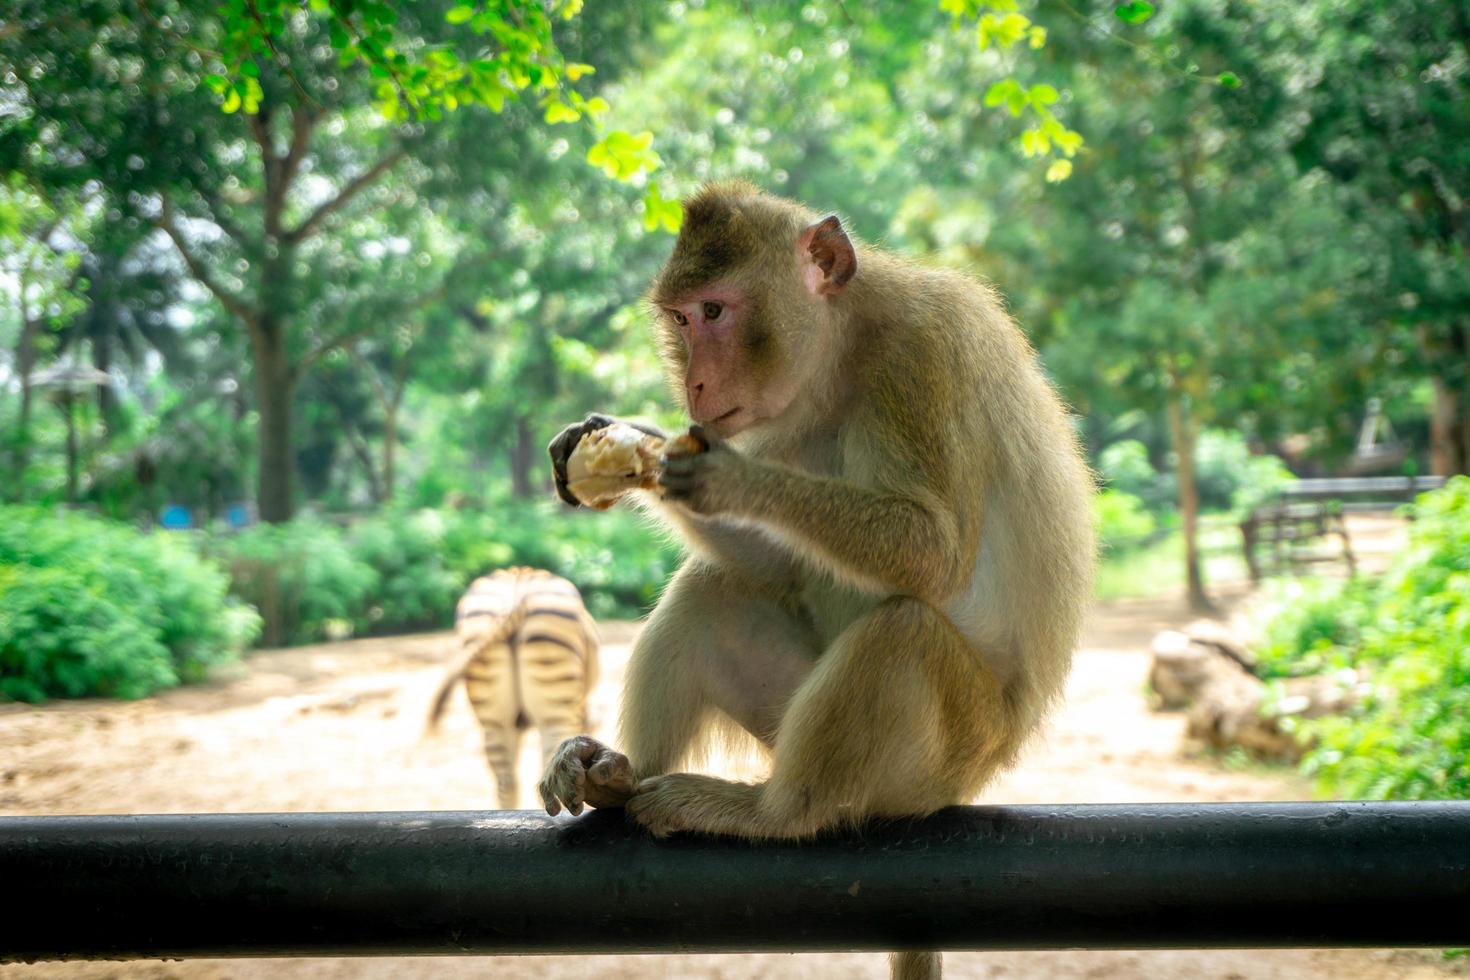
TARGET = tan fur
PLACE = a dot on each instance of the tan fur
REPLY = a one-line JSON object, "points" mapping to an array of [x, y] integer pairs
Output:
{"points": [[895, 565]]}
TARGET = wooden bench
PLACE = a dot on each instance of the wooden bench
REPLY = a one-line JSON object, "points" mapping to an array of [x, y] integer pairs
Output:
{"points": [[1307, 511]]}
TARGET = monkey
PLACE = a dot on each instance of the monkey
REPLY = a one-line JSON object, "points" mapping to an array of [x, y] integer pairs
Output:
{"points": [[890, 540]]}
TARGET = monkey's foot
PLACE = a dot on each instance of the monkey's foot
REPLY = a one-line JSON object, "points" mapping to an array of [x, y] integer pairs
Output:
{"points": [[679, 802], [584, 771]]}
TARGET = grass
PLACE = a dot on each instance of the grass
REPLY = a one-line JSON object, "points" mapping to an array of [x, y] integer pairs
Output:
{"points": [[1158, 568]]}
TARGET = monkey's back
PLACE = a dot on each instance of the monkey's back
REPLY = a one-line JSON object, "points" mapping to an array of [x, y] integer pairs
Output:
{"points": [[1007, 432]]}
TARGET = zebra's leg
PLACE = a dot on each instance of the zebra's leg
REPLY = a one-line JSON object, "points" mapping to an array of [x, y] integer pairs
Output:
{"points": [[490, 683]]}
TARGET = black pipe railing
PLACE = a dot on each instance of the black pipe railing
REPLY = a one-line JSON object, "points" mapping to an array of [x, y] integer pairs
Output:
{"points": [[999, 877]]}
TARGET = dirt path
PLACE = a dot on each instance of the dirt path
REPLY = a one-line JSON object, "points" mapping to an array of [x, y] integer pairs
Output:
{"points": [[339, 728]]}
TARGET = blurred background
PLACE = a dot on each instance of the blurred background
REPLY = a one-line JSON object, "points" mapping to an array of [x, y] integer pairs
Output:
{"points": [[293, 294]]}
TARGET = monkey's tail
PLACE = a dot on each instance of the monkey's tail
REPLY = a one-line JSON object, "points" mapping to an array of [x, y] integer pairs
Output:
{"points": [[913, 965]]}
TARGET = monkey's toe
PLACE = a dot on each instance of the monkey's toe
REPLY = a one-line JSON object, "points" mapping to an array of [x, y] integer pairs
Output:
{"points": [[656, 806]]}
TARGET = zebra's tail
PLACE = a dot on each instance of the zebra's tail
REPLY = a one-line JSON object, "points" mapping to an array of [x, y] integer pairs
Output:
{"points": [[473, 645]]}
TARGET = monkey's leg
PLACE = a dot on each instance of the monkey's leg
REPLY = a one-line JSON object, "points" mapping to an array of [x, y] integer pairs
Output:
{"points": [[899, 718], [711, 645]]}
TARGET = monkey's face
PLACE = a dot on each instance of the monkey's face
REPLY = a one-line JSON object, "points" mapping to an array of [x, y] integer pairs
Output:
{"points": [[735, 366], [744, 305]]}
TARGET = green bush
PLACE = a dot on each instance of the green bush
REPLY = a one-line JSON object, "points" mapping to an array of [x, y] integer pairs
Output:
{"points": [[1410, 739], [405, 570], [95, 607], [301, 576], [1123, 522], [616, 558], [415, 588], [1125, 467], [1231, 477]]}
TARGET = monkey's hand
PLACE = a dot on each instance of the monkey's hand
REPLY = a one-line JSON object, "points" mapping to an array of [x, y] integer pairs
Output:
{"points": [[583, 770], [566, 440], [702, 473]]}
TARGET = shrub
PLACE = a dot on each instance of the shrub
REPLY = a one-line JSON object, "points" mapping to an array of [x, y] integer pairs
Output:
{"points": [[89, 606], [1410, 738], [415, 588], [301, 576], [404, 570], [1122, 521], [617, 559], [1126, 468], [1230, 477]]}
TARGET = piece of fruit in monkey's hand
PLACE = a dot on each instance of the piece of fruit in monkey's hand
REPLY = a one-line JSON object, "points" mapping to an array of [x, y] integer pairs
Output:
{"points": [[608, 462]]}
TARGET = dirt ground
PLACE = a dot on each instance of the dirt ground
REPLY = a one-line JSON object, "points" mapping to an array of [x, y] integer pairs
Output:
{"points": [[339, 727]]}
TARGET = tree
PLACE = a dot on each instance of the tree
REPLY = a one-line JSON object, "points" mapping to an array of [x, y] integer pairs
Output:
{"points": [[40, 273], [260, 200], [1383, 93]]}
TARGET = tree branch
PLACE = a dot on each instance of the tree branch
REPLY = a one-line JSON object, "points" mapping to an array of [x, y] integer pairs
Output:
{"points": [[229, 300], [214, 203], [354, 187], [303, 122], [270, 165], [327, 346]]}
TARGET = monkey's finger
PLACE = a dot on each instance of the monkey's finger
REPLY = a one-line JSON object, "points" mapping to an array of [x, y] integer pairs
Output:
{"points": [[679, 465], [678, 487], [559, 449], [609, 779], [703, 436]]}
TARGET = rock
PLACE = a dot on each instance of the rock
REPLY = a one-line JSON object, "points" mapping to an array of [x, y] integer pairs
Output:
{"points": [[1207, 670], [1183, 668]]}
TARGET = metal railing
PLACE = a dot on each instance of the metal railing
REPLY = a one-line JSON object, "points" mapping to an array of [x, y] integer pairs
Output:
{"points": [[1001, 877]]}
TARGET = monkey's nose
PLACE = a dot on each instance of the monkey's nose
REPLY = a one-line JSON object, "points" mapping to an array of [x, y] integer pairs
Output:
{"points": [[695, 388]]}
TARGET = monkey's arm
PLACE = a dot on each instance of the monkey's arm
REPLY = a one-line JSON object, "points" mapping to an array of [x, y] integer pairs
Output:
{"points": [[764, 562], [910, 543]]}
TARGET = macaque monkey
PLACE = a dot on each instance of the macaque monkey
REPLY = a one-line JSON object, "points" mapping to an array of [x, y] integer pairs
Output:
{"points": [[891, 542]]}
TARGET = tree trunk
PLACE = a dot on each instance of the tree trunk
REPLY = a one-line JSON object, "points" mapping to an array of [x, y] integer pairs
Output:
{"points": [[365, 458], [1184, 434], [25, 364], [390, 443], [106, 396], [273, 385], [1449, 430], [68, 409], [521, 456]]}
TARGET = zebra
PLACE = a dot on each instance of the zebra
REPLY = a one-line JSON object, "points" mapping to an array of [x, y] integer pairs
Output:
{"points": [[528, 656]]}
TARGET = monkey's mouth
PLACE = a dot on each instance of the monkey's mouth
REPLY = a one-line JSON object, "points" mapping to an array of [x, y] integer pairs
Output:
{"points": [[726, 417]]}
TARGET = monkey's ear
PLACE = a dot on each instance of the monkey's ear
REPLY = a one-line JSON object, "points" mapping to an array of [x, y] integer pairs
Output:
{"points": [[828, 258]]}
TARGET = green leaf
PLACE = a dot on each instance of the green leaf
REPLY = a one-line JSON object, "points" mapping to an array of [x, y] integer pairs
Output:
{"points": [[1059, 171], [232, 101], [1134, 12], [460, 14], [1001, 91], [1001, 31], [559, 112], [1043, 94], [1228, 79]]}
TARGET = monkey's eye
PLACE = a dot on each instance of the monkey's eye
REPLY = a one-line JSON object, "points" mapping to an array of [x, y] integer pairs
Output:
{"points": [[712, 311], [680, 318]]}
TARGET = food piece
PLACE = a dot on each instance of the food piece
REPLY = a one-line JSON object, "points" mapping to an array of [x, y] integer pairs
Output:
{"points": [[611, 461]]}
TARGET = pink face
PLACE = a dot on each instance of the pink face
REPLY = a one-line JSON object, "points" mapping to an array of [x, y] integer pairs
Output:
{"points": [[717, 386]]}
